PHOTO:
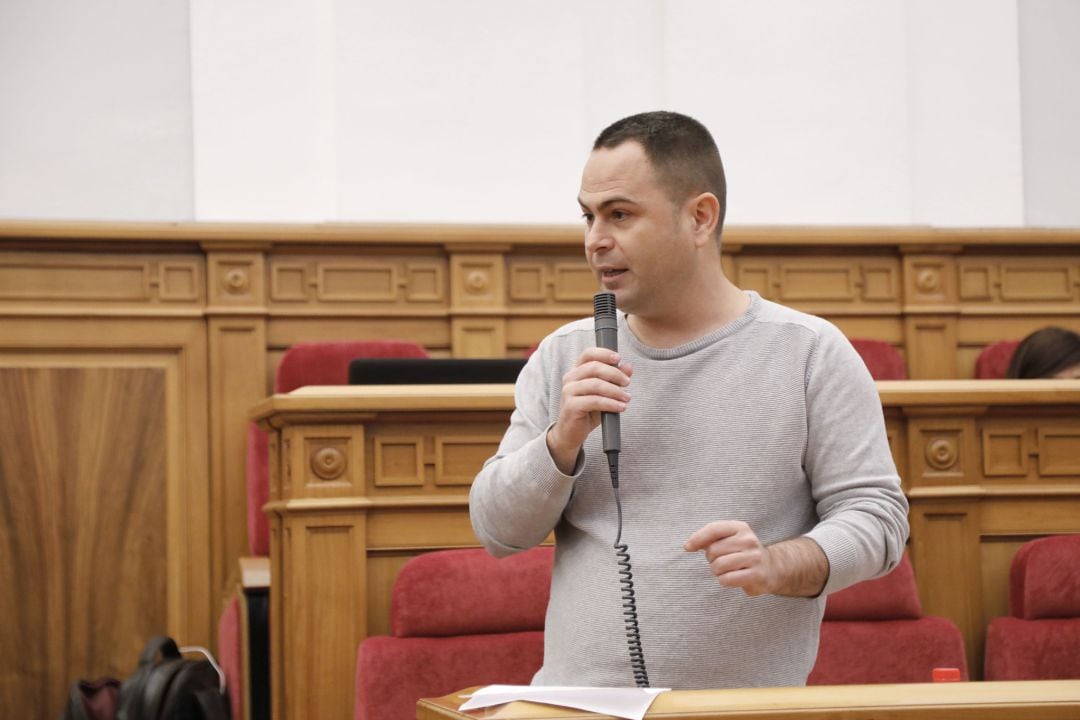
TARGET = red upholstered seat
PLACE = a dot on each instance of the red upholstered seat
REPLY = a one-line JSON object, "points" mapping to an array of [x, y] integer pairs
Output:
{"points": [[458, 618], [875, 632], [1040, 639], [882, 359], [313, 363], [993, 361]]}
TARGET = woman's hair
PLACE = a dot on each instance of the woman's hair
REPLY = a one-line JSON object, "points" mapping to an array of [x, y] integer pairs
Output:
{"points": [[1044, 353]]}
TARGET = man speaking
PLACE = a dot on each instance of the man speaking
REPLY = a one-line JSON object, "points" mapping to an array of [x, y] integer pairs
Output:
{"points": [[754, 476]]}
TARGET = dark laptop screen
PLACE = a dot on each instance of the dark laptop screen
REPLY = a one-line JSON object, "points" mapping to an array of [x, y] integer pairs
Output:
{"points": [[433, 371]]}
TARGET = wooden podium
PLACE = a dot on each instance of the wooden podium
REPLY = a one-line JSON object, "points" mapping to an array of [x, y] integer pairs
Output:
{"points": [[1031, 700], [363, 478]]}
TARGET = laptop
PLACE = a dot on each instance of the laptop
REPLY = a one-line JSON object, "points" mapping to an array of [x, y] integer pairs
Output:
{"points": [[433, 371]]}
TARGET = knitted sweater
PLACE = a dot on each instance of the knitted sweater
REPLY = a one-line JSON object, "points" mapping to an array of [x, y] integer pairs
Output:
{"points": [[772, 420]]}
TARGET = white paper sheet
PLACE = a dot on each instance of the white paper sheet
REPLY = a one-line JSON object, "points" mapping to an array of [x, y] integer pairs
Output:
{"points": [[629, 703]]}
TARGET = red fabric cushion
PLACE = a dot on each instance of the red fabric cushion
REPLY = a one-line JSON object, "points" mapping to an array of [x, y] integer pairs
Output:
{"points": [[229, 654], [314, 363], [993, 361], [1044, 579], [882, 360], [1033, 649], [257, 473], [393, 673], [892, 597], [466, 592], [887, 651], [327, 363]]}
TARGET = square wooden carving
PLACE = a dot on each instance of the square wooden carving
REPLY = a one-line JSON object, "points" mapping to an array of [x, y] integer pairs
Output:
{"points": [[458, 459], [1004, 452], [399, 462]]}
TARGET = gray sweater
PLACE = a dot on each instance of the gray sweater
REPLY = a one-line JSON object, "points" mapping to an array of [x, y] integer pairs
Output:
{"points": [[773, 420]]}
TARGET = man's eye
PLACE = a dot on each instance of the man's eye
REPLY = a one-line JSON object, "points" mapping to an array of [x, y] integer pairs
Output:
{"points": [[587, 217], [618, 215]]}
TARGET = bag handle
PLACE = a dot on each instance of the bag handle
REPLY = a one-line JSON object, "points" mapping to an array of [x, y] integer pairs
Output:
{"points": [[159, 645], [210, 659]]}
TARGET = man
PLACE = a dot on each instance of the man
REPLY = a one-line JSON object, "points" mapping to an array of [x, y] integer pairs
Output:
{"points": [[755, 473]]}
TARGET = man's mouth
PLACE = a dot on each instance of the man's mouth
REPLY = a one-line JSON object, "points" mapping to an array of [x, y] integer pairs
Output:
{"points": [[607, 274]]}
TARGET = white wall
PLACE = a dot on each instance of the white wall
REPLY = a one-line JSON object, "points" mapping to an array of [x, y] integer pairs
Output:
{"points": [[95, 109], [831, 111], [1050, 82]]}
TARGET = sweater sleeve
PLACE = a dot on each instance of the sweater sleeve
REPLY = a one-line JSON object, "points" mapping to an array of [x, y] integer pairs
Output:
{"points": [[519, 495], [863, 512]]}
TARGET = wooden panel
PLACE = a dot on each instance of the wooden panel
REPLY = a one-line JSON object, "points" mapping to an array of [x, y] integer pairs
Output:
{"points": [[931, 343], [479, 338], [550, 283], [945, 547], [74, 529], [238, 380], [376, 284], [383, 569], [99, 280], [331, 612]]}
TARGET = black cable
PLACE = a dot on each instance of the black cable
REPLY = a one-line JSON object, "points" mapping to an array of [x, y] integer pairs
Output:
{"points": [[626, 579]]}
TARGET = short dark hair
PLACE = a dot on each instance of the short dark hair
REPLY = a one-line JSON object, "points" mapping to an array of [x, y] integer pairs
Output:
{"points": [[1044, 353], [681, 150]]}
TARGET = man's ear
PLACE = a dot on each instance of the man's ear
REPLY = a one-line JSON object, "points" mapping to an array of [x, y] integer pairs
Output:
{"points": [[705, 213]]}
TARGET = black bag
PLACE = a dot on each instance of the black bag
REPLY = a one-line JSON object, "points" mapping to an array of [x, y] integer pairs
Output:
{"points": [[168, 686], [93, 700]]}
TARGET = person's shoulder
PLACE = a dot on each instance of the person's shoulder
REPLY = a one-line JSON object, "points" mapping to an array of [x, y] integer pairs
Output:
{"points": [[572, 337], [775, 313]]}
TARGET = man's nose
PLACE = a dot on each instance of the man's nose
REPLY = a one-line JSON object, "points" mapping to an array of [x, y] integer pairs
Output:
{"points": [[597, 238]]}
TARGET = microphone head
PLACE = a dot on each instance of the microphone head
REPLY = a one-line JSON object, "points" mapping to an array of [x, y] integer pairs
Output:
{"points": [[604, 305]]}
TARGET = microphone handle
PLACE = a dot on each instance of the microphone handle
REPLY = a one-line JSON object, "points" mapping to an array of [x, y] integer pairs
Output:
{"points": [[608, 338]]}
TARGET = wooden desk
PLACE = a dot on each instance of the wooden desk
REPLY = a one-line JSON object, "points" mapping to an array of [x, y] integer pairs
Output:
{"points": [[363, 478], [1043, 700]]}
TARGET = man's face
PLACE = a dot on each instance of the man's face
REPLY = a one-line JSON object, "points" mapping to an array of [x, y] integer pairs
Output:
{"points": [[637, 241]]}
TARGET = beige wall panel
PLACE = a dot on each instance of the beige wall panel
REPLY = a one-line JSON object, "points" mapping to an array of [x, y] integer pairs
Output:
{"points": [[329, 607], [477, 283], [422, 528], [236, 280], [889, 329], [71, 534], [237, 354], [383, 569], [283, 331], [996, 557], [113, 453], [950, 583], [104, 282], [375, 283], [479, 338], [930, 280], [1059, 513], [931, 347]]}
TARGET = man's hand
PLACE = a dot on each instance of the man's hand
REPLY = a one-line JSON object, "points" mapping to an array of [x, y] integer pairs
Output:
{"points": [[793, 568], [596, 384]]}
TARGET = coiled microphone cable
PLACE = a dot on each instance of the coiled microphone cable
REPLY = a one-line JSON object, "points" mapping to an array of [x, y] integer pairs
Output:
{"points": [[626, 579], [607, 336]]}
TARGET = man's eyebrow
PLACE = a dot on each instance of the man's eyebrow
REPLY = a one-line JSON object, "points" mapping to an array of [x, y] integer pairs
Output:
{"points": [[608, 202]]}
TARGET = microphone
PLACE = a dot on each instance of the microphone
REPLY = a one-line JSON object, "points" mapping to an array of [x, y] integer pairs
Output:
{"points": [[606, 323]]}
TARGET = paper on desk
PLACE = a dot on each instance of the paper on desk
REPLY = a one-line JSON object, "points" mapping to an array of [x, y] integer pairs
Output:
{"points": [[629, 703]]}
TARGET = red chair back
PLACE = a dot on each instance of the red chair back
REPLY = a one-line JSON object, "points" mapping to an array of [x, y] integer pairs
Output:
{"points": [[882, 359], [1039, 638], [875, 632], [993, 361], [460, 618]]}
